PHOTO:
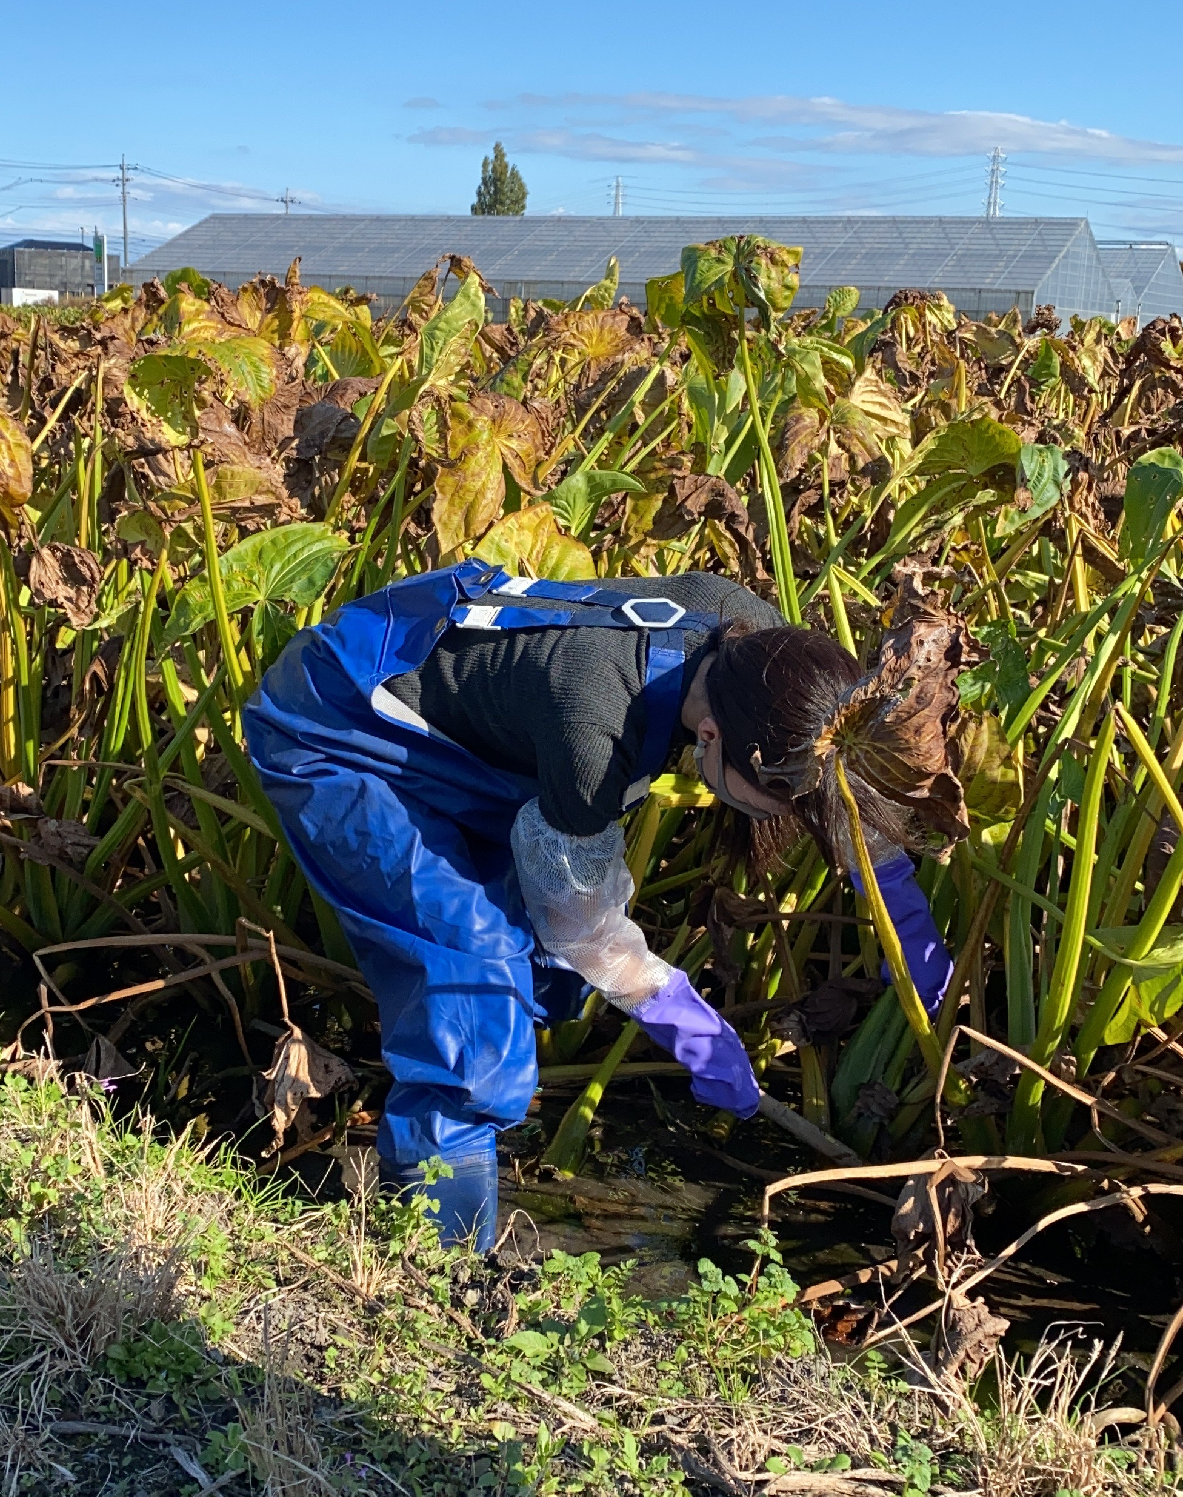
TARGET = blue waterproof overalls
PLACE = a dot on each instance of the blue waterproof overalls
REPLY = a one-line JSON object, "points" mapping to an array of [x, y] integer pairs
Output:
{"points": [[406, 835]]}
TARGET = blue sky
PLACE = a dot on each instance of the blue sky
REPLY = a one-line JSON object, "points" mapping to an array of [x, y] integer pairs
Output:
{"points": [[698, 107]]}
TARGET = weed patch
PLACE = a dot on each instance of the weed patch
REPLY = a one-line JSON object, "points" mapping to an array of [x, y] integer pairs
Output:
{"points": [[172, 1327]]}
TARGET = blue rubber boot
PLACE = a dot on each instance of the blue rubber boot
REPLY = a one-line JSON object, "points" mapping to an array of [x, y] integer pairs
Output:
{"points": [[467, 1201]]}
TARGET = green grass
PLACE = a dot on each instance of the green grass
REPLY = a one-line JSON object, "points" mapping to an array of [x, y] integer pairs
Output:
{"points": [[168, 1323]]}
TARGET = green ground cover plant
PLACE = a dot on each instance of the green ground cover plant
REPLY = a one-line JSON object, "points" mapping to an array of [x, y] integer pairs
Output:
{"points": [[168, 1325]]}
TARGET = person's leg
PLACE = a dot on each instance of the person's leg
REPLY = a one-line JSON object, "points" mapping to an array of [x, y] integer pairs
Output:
{"points": [[443, 956]]}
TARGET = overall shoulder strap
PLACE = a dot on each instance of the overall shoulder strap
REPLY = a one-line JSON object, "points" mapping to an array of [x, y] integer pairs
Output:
{"points": [[608, 608], [664, 622], [662, 694]]}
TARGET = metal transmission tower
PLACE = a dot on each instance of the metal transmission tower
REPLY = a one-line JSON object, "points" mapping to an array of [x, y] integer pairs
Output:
{"points": [[995, 177], [618, 199]]}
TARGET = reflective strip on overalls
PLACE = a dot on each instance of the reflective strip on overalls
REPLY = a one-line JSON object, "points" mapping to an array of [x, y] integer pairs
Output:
{"points": [[406, 835]]}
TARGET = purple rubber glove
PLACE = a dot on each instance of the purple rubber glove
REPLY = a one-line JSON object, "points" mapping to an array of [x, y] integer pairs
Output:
{"points": [[928, 962], [695, 1034]]}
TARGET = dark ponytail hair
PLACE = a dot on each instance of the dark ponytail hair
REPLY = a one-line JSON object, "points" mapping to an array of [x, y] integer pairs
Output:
{"points": [[771, 691]]}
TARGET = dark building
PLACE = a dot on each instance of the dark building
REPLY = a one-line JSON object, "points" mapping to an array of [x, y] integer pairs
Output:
{"points": [[51, 265]]}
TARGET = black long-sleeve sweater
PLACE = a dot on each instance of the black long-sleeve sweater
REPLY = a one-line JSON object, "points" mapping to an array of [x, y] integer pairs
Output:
{"points": [[565, 705]]}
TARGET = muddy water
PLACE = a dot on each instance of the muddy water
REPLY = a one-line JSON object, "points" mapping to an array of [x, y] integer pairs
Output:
{"points": [[655, 1189]]}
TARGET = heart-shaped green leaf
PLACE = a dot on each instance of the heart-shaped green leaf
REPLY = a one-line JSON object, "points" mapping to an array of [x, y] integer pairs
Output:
{"points": [[161, 386], [290, 565], [576, 501], [1153, 488], [457, 320]]}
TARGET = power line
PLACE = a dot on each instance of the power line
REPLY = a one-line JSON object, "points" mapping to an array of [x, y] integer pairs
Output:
{"points": [[1041, 193], [58, 166], [943, 171], [1093, 190], [837, 203], [1076, 171], [218, 188]]}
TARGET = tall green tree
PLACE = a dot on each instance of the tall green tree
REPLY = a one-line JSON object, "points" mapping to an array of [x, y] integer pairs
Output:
{"points": [[501, 189]]}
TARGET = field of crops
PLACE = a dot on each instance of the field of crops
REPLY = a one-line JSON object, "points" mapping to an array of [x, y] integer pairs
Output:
{"points": [[189, 475]]}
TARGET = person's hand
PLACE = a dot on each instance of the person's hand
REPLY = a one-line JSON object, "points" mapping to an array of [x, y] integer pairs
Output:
{"points": [[928, 963], [698, 1036]]}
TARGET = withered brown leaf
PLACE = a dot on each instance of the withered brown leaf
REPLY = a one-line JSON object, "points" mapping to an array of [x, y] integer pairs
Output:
{"points": [[461, 266], [692, 497], [824, 1015], [893, 728], [61, 842], [894, 731], [516, 432], [66, 577], [19, 799], [876, 1100], [966, 1338], [934, 1217], [104, 1062], [301, 1071]]}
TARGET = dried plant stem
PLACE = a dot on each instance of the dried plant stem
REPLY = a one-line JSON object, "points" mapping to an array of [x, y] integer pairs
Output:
{"points": [[1086, 1099], [907, 1167], [1078, 1208]]}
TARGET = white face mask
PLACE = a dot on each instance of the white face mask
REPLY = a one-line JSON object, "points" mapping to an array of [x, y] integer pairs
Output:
{"points": [[720, 791]]}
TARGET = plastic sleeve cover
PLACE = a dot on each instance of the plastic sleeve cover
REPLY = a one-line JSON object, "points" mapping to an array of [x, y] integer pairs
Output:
{"points": [[576, 891], [879, 849]]}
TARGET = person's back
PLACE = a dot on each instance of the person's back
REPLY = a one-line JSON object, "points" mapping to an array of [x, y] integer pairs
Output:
{"points": [[564, 706]]}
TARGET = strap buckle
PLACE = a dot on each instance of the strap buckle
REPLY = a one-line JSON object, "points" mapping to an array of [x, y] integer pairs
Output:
{"points": [[637, 792], [477, 616], [632, 612], [514, 587]]}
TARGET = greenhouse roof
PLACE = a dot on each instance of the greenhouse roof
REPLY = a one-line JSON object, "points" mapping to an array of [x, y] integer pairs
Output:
{"points": [[983, 264]]}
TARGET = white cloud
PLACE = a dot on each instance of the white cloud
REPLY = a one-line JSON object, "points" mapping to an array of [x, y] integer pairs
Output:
{"points": [[595, 146], [449, 135], [833, 126]]}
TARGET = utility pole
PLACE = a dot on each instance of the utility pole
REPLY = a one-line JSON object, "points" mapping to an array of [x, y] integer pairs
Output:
{"points": [[123, 199], [287, 199], [995, 177], [618, 199]]}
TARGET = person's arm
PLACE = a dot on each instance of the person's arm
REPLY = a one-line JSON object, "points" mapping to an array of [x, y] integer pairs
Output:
{"points": [[576, 891], [928, 962]]}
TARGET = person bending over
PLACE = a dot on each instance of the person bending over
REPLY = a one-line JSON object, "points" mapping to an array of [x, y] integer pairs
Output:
{"points": [[450, 758]]}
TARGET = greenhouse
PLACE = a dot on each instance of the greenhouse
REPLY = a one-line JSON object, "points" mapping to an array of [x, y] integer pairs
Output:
{"points": [[1146, 277], [983, 265]]}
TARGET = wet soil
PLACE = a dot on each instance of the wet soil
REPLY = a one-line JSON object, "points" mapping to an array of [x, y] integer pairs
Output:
{"points": [[659, 1188]]}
